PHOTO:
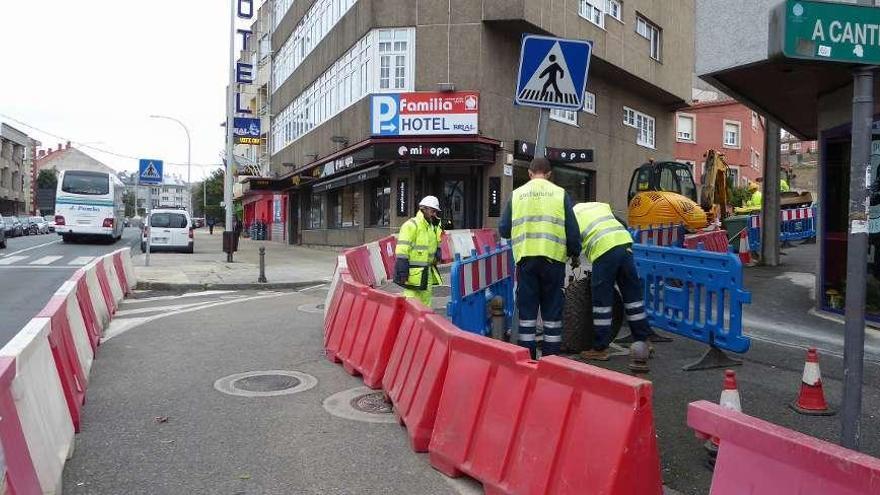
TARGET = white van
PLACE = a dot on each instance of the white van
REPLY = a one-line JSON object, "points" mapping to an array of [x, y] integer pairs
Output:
{"points": [[89, 204], [168, 229]]}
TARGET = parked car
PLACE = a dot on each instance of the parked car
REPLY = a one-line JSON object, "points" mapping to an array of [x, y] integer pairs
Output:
{"points": [[41, 224], [27, 226], [13, 227], [168, 229], [2, 232], [50, 220]]}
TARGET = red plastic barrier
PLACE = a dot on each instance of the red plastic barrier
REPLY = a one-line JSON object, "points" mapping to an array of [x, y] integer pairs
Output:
{"points": [[715, 241], [73, 378], [359, 266], [120, 273], [366, 346], [416, 369], [552, 427], [21, 476], [90, 318], [447, 253], [336, 323], [104, 282], [485, 238], [755, 456], [387, 245]]}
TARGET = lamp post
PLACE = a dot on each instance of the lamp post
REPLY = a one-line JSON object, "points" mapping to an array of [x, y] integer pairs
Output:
{"points": [[188, 154]]}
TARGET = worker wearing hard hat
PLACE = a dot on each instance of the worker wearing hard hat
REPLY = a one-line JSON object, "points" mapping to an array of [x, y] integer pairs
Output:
{"points": [[543, 231], [608, 246], [783, 186], [756, 200], [418, 251]]}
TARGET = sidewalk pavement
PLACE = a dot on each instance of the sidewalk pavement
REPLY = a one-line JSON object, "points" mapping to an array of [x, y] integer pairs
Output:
{"points": [[783, 302], [287, 267]]}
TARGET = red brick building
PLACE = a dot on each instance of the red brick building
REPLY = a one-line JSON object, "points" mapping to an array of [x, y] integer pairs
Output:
{"points": [[723, 125]]}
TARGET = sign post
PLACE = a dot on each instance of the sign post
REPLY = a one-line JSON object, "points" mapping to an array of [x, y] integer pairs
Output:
{"points": [[552, 75], [150, 172]]}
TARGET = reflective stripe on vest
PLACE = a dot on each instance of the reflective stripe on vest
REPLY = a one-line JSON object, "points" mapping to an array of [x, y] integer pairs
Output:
{"points": [[538, 220], [600, 231]]}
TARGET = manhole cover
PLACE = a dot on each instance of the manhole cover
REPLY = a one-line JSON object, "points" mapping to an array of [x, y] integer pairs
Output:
{"points": [[360, 404], [373, 403], [312, 308], [265, 383]]}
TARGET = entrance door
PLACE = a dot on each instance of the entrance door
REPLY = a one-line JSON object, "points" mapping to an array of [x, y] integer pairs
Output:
{"points": [[452, 203]]}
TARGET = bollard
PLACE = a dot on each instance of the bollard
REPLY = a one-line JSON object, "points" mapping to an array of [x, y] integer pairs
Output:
{"points": [[496, 307], [262, 278]]}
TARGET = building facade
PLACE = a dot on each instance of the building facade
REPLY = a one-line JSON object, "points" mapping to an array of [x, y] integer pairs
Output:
{"points": [[346, 181], [172, 193], [14, 171], [727, 126], [799, 161]]}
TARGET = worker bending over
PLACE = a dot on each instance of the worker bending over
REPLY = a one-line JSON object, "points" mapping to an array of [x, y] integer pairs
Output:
{"points": [[608, 246], [418, 251], [543, 231]]}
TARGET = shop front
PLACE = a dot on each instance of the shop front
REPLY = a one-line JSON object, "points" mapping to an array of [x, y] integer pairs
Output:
{"points": [[264, 209]]}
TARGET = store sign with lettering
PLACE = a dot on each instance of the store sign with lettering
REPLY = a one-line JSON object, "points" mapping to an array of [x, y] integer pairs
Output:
{"points": [[433, 151], [494, 196], [244, 72], [246, 130], [425, 113], [525, 150], [402, 195]]}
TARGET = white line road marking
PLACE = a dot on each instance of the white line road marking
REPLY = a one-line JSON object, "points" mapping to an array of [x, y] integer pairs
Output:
{"points": [[35, 267], [188, 294], [11, 259], [81, 260], [153, 309], [30, 248], [46, 260]]}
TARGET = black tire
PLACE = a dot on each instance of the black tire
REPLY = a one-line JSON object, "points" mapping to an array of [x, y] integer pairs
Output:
{"points": [[66, 238], [189, 249], [577, 317]]}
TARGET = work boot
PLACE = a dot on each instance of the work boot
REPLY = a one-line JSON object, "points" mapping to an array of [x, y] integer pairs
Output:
{"points": [[596, 355]]}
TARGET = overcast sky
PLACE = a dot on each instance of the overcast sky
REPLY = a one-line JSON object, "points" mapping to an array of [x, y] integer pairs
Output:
{"points": [[92, 72]]}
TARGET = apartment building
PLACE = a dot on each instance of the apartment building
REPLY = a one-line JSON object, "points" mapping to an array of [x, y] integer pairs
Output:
{"points": [[14, 171], [799, 160], [346, 181]]}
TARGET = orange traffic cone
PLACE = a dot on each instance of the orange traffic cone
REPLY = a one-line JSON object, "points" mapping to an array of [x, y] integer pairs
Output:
{"points": [[745, 253], [811, 400], [729, 400]]}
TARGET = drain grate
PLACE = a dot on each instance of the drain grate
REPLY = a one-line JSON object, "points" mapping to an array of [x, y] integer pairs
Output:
{"points": [[372, 403], [265, 383]]}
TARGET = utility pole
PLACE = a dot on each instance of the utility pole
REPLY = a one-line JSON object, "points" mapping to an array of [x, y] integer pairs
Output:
{"points": [[770, 191], [230, 159]]}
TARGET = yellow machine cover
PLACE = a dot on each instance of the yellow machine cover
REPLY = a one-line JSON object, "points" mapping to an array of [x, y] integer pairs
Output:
{"points": [[662, 208]]}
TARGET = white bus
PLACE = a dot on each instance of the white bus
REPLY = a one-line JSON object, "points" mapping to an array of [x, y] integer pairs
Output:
{"points": [[89, 205]]}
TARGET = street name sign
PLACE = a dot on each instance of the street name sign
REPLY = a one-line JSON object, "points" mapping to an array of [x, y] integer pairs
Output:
{"points": [[826, 31], [552, 72], [149, 171]]}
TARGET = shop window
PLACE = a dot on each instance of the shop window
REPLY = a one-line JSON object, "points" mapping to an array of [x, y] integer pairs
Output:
{"points": [[315, 210], [344, 207], [380, 202], [579, 184]]}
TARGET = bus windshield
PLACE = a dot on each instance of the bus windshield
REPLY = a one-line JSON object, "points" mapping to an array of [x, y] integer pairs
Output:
{"points": [[87, 183]]}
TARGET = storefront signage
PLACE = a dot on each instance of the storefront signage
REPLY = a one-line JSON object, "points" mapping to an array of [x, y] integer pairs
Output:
{"points": [[832, 32], [433, 151], [244, 72], [415, 114], [525, 150], [494, 196], [402, 198], [246, 130], [276, 208]]}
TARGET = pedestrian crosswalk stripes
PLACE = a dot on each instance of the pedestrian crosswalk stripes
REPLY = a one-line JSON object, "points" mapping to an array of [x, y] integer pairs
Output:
{"points": [[47, 261], [549, 96]]}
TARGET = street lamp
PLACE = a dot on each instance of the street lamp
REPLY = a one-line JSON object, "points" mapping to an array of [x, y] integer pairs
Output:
{"points": [[188, 154]]}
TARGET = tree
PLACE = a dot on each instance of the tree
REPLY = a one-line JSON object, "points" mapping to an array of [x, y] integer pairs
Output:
{"points": [[213, 184], [128, 201], [47, 179]]}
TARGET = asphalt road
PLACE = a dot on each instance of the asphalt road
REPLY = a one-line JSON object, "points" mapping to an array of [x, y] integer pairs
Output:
{"points": [[33, 267]]}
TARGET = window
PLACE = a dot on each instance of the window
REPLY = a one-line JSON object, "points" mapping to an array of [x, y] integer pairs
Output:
{"points": [[315, 210], [754, 120], [731, 134], [645, 124], [784, 147], [796, 146], [344, 207], [86, 183], [565, 116], [733, 175], [755, 158], [593, 11], [265, 47], [589, 102], [169, 220], [685, 128], [380, 202], [353, 76], [615, 9], [652, 33]]}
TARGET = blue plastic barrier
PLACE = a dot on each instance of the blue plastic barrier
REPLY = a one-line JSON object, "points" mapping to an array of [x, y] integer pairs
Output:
{"points": [[794, 225], [662, 235], [475, 281], [694, 293]]}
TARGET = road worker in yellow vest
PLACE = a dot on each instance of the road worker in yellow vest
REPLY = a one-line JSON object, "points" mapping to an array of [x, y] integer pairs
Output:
{"points": [[540, 223], [418, 252], [608, 246]]}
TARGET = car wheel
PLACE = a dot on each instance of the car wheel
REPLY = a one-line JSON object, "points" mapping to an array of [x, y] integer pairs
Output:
{"points": [[66, 238], [189, 249], [3, 244]]}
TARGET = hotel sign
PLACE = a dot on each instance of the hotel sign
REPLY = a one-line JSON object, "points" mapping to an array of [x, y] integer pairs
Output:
{"points": [[825, 31], [422, 114]]}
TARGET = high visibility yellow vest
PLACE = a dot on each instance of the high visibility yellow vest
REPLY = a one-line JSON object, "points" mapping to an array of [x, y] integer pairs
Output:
{"points": [[600, 231], [538, 220], [418, 241], [783, 185], [756, 200]]}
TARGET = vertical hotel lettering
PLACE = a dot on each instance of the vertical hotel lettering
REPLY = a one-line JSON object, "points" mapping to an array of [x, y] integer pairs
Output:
{"points": [[244, 72]]}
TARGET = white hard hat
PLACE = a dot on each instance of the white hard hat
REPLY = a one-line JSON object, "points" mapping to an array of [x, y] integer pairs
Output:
{"points": [[430, 202]]}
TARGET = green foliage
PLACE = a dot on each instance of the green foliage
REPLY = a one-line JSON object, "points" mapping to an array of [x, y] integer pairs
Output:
{"points": [[213, 185], [47, 179], [738, 195]]}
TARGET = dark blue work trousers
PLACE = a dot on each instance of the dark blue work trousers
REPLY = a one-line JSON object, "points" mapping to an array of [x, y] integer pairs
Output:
{"points": [[539, 285], [617, 266]]}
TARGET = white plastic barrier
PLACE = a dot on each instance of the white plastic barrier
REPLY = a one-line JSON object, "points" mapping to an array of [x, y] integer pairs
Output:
{"points": [[39, 401], [102, 308], [77, 326], [462, 242], [115, 287], [128, 267], [377, 264], [340, 264]]}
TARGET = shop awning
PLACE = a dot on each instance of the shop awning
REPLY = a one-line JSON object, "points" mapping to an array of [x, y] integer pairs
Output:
{"points": [[352, 178]]}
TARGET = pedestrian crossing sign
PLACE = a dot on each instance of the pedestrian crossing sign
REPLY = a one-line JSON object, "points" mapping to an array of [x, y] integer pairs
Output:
{"points": [[552, 72], [150, 171]]}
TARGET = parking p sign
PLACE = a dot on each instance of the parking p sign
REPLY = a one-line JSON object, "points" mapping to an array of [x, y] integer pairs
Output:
{"points": [[425, 113]]}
